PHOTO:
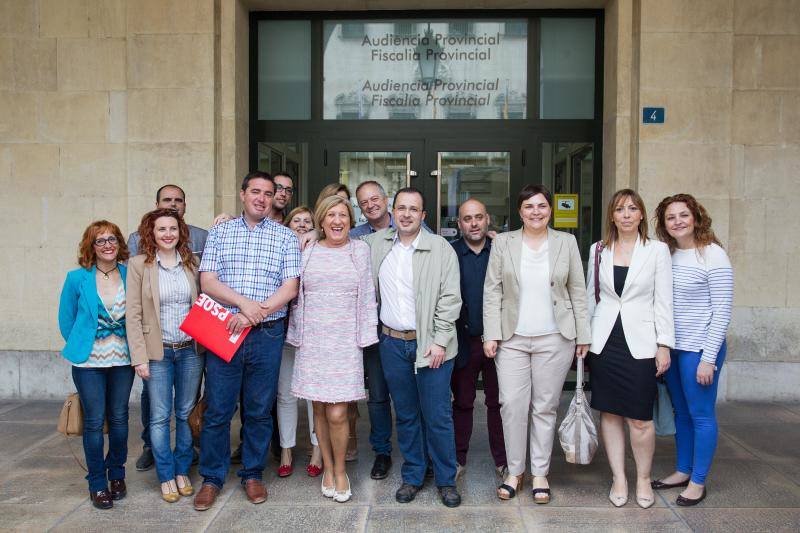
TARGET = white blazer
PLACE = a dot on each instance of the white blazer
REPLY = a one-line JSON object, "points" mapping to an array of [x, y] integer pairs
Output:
{"points": [[645, 304]]}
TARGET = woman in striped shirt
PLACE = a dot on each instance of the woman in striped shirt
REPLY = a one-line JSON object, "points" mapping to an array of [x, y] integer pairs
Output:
{"points": [[702, 298]]}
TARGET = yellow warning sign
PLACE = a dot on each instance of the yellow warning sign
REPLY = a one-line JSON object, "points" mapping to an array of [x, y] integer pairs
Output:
{"points": [[565, 214]]}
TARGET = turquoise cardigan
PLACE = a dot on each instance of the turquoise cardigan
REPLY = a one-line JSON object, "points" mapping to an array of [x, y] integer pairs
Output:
{"points": [[77, 312]]}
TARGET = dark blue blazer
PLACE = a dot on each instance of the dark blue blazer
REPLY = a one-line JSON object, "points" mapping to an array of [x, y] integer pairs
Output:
{"points": [[77, 312]]}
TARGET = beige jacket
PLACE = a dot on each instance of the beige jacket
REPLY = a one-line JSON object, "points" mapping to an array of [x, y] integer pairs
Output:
{"points": [[567, 289], [437, 286], [142, 316]]}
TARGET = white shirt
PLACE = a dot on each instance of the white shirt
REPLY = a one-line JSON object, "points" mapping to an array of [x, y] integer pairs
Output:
{"points": [[536, 316], [396, 278]]}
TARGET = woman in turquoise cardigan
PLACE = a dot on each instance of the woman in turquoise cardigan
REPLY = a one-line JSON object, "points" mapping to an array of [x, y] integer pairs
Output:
{"points": [[91, 317]]}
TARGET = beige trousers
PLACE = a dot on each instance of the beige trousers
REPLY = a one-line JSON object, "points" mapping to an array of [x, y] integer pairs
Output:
{"points": [[531, 373]]}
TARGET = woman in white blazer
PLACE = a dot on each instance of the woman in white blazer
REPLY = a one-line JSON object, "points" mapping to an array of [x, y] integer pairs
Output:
{"points": [[630, 305]]}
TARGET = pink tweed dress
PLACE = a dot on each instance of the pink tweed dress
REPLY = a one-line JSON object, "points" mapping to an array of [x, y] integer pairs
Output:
{"points": [[329, 365]]}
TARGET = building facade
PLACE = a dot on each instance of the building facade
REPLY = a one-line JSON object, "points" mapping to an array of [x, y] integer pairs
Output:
{"points": [[103, 101]]}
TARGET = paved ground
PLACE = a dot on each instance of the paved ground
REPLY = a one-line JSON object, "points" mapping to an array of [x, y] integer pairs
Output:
{"points": [[754, 486]]}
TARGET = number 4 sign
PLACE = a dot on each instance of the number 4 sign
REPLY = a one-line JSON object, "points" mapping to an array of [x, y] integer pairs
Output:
{"points": [[653, 115]]}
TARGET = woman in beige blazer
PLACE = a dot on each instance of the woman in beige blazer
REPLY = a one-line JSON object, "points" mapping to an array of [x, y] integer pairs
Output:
{"points": [[162, 284], [535, 321], [632, 332]]}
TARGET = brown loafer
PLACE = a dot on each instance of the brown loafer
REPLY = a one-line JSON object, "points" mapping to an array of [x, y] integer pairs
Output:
{"points": [[118, 489], [101, 499], [256, 490], [206, 497]]}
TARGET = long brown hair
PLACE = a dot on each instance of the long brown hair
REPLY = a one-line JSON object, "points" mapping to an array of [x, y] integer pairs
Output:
{"points": [[612, 234], [703, 234], [86, 254], [147, 239]]}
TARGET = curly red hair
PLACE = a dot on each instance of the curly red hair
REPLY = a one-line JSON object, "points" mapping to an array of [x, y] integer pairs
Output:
{"points": [[86, 254], [703, 234], [147, 239]]}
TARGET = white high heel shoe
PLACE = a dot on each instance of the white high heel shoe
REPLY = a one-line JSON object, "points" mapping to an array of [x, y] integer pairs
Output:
{"points": [[616, 500], [342, 496], [328, 492]]}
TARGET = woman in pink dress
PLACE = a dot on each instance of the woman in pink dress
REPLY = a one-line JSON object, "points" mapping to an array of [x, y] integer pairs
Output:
{"points": [[333, 318]]}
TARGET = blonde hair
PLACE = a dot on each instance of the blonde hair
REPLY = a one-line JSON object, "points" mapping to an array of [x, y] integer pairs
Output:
{"points": [[331, 189], [325, 205]]}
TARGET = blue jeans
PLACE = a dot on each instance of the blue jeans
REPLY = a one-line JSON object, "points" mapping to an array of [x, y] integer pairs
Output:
{"points": [[380, 409], [179, 370], [145, 415], [104, 393], [253, 371], [696, 427], [423, 412]]}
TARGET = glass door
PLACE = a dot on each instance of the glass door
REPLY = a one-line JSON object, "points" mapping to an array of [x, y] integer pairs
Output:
{"points": [[486, 171], [390, 164]]}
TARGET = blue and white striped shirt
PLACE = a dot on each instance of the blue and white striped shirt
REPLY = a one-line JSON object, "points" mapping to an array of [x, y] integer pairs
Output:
{"points": [[175, 300], [702, 293], [254, 263]]}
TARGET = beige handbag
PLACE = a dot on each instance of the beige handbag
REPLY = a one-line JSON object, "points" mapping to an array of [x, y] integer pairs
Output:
{"points": [[70, 421]]}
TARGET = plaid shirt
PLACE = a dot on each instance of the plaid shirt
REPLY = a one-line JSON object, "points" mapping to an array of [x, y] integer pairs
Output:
{"points": [[254, 263]]}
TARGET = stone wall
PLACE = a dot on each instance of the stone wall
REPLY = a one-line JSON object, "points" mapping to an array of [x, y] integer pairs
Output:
{"points": [[102, 101]]}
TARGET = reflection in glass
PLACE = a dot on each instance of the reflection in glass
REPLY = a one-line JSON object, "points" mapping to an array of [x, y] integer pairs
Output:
{"points": [[482, 176], [568, 168], [425, 69], [390, 169], [566, 68], [284, 70], [291, 158]]}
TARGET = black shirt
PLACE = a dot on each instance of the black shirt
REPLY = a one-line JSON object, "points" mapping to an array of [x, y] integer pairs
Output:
{"points": [[473, 271]]}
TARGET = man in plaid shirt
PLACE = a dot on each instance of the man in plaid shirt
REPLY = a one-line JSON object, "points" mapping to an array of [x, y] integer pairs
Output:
{"points": [[251, 265]]}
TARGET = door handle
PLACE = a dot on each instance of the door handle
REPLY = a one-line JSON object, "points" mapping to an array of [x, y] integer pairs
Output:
{"points": [[435, 173], [412, 173]]}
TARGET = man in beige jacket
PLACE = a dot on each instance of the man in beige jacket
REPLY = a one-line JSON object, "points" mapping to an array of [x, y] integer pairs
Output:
{"points": [[417, 281]]}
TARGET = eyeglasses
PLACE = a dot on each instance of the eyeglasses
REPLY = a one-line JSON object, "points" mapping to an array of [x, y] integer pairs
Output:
{"points": [[102, 242], [287, 190]]}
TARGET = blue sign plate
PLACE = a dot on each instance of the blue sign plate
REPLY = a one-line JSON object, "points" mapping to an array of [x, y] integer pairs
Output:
{"points": [[653, 115]]}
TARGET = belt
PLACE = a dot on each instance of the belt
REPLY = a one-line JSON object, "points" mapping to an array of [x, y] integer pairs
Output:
{"points": [[268, 324], [178, 345], [409, 335]]}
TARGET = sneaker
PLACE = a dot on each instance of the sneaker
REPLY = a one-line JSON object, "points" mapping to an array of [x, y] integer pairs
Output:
{"points": [[145, 461], [450, 496], [406, 493]]}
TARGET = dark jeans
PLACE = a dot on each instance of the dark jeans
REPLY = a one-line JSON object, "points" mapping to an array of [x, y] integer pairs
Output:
{"points": [[378, 404], [253, 371], [173, 380], [423, 412], [145, 415], [104, 393], [464, 383]]}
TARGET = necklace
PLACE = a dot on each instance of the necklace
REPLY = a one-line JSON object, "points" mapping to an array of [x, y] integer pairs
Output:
{"points": [[105, 274]]}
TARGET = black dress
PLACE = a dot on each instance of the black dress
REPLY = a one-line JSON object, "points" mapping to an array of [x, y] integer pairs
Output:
{"points": [[622, 385]]}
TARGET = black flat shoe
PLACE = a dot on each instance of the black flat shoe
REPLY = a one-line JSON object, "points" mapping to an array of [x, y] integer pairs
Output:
{"points": [[145, 461], [688, 502], [380, 469], [660, 485]]}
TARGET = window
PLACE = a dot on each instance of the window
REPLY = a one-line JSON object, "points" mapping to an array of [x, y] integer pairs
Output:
{"points": [[284, 70]]}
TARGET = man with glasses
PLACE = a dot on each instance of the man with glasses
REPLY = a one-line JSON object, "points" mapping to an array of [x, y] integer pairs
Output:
{"points": [[167, 197], [284, 190], [417, 279]]}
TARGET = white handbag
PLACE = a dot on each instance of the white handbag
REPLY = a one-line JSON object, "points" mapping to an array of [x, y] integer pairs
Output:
{"points": [[578, 433]]}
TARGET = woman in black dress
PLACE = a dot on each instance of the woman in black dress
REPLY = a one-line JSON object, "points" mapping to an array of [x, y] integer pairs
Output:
{"points": [[630, 304]]}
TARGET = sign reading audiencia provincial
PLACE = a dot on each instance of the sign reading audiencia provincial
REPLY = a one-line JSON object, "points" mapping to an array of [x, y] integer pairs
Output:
{"points": [[417, 69]]}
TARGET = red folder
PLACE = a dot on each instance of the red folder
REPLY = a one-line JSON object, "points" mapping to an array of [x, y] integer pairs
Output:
{"points": [[206, 323]]}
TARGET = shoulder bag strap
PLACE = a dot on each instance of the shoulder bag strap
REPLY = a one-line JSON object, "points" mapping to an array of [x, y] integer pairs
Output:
{"points": [[598, 251]]}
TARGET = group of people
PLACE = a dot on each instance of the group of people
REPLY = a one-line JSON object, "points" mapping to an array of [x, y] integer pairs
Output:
{"points": [[330, 304]]}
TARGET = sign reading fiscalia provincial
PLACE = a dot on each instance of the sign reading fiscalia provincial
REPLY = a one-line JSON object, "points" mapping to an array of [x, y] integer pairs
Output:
{"points": [[416, 69]]}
